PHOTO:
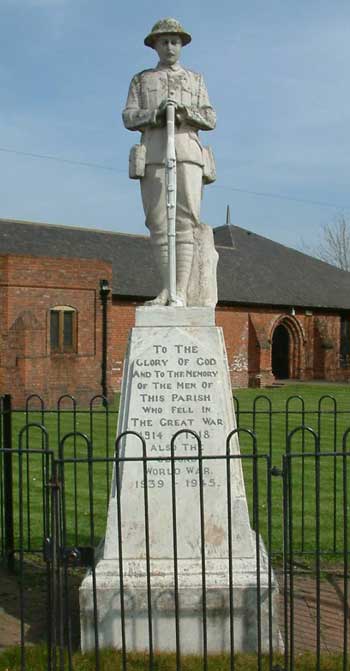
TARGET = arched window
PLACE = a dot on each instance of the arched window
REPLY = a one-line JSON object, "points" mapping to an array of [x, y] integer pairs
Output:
{"points": [[63, 329]]}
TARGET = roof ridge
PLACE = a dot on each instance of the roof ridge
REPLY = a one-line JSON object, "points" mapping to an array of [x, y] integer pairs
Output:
{"points": [[280, 244], [138, 236], [72, 228]]}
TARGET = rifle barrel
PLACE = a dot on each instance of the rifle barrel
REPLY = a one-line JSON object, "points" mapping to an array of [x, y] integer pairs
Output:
{"points": [[171, 200]]}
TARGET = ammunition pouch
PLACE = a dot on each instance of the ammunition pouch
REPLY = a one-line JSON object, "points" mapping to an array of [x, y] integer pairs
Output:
{"points": [[137, 161], [209, 167]]}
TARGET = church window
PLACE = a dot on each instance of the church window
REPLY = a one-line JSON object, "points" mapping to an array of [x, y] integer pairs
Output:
{"points": [[63, 329]]}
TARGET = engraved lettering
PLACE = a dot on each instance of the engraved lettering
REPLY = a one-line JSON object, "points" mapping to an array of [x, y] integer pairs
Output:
{"points": [[148, 409], [160, 349], [213, 422], [151, 362], [161, 385], [181, 410], [138, 423], [205, 362], [186, 349], [190, 398], [152, 398], [179, 423]]}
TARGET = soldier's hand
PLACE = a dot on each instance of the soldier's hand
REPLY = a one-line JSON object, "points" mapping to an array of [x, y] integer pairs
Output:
{"points": [[160, 116], [181, 114]]}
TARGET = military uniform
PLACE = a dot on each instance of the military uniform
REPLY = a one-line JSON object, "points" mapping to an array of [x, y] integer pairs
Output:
{"points": [[147, 91]]}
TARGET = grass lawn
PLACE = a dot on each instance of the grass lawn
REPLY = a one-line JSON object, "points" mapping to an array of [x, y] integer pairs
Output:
{"points": [[36, 660], [326, 410], [271, 431]]}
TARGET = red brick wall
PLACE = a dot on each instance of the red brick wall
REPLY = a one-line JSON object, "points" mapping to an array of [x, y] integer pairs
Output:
{"points": [[234, 322], [327, 349], [122, 319], [32, 286], [314, 338], [235, 325], [248, 337]]}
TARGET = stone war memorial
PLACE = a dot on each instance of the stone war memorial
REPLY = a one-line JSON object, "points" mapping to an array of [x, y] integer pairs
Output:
{"points": [[181, 568]]}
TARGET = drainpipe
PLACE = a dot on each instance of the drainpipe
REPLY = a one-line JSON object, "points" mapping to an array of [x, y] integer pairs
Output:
{"points": [[104, 292]]}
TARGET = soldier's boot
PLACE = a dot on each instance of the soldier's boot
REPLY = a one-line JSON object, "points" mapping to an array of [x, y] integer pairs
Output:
{"points": [[160, 253], [184, 258]]}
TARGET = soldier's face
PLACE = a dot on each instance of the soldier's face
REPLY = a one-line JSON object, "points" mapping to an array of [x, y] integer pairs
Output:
{"points": [[168, 48]]}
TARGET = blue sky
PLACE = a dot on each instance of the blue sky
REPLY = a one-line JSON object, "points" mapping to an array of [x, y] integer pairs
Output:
{"points": [[276, 72]]}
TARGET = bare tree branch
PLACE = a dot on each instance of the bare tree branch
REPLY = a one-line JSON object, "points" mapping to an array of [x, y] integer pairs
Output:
{"points": [[334, 244]]}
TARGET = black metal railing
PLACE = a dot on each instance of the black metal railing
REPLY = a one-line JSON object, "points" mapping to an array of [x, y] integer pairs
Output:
{"points": [[98, 421], [55, 483], [270, 426]]}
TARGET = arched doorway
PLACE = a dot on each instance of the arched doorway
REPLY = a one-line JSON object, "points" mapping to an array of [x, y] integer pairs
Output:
{"points": [[280, 352]]}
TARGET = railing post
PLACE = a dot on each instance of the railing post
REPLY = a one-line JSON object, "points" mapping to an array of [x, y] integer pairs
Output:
{"points": [[8, 483], [104, 291]]}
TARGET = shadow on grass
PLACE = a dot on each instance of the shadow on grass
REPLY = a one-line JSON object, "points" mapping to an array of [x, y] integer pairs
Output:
{"points": [[26, 596]]}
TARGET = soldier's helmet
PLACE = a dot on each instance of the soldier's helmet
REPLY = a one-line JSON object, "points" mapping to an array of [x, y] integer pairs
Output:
{"points": [[166, 27]]}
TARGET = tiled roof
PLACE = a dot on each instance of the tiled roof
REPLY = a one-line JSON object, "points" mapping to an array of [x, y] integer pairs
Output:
{"points": [[255, 270]]}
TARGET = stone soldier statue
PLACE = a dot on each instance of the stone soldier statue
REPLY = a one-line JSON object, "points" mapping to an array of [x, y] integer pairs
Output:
{"points": [[145, 111]]}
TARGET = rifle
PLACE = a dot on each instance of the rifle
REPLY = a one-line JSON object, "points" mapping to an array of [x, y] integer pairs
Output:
{"points": [[170, 171]]}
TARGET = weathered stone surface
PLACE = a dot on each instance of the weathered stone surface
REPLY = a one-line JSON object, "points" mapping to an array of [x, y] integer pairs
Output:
{"points": [[174, 316], [190, 608], [172, 184], [202, 286], [176, 379]]}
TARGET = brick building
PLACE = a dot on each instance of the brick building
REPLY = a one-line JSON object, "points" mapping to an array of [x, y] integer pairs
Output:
{"points": [[284, 314]]}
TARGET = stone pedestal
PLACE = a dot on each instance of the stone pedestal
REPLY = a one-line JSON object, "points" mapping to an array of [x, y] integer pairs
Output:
{"points": [[176, 379]]}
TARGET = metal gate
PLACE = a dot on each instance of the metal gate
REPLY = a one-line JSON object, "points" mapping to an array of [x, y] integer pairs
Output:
{"points": [[299, 507]]}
